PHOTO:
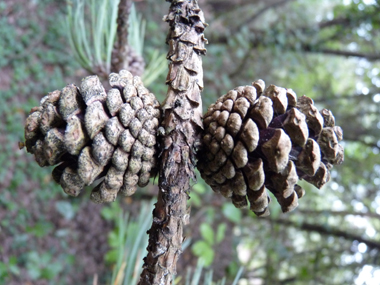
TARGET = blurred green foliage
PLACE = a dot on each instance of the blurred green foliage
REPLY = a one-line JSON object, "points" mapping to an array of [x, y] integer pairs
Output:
{"points": [[205, 248], [33, 61], [91, 30], [128, 244], [194, 276], [327, 50], [128, 247]]}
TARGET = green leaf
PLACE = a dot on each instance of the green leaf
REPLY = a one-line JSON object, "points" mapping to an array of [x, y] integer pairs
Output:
{"points": [[12, 260], [14, 269], [204, 252], [304, 272], [40, 229], [3, 269], [111, 212], [51, 270], [207, 233], [65, 209], [231, 213], [220, 232], [199, 247], [195, 200], [111, 256], [34, 272], [199, 188], [208, 257], [113, 239]]}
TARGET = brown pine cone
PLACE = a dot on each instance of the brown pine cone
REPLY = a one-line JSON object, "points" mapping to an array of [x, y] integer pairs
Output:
{"points": [[136, 63], [257, 139], [92, 134], [133, 62]]}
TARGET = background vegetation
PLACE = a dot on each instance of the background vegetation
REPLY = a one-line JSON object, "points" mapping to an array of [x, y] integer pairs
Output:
{"points": [[328, 50]]}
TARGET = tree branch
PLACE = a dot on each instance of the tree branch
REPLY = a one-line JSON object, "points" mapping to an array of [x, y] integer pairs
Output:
{"points": [[259, 40], [259, 14], [358, 97], [119, 55], [240, 68], [328, 231], [345, 53], [358, 140], [226, 5], [334, 22], [180, 137], [340, 213]]}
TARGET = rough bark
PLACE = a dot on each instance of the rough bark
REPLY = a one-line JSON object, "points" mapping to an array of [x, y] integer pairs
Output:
{"points": [[180, 136]]}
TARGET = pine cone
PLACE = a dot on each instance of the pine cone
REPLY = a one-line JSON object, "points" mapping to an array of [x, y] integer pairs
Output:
{"points": [[133, 62], [136, 63], [92, 134], [257, 139]]}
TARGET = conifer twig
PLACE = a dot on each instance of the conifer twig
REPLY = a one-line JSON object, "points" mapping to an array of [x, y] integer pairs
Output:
{"points": [[180, 136], [120, 52]]}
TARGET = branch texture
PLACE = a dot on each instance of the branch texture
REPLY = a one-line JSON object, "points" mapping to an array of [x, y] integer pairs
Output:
{"points": [[120, 53], [180, 136]]}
